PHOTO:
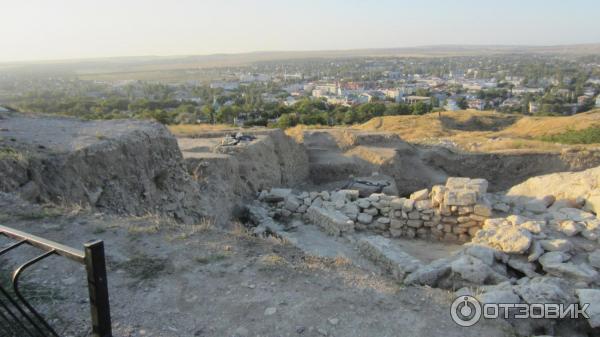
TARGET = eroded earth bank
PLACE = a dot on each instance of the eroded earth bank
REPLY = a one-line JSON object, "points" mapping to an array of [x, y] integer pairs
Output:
{"points": [[319, 233]]}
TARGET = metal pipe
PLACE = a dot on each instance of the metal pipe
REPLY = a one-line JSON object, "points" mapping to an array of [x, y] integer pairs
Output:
{"points": [[43, 244]]}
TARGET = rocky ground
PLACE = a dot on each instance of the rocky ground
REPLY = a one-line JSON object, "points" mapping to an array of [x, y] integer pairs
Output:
{"points": [[173, 280], [518, 249], [328, 232]]}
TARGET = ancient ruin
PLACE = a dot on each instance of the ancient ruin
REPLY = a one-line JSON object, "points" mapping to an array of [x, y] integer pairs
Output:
{"points": [[504, 229]]}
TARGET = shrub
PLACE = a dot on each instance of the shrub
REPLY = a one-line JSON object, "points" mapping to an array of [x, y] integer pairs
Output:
{"points": [[590, 135]]}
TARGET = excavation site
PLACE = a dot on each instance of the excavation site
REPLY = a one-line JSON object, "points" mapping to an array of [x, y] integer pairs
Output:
{"points": [[344, 231]]}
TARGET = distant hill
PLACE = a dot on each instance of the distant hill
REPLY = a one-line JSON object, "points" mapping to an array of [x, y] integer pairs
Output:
{"points": [[166, 63]]}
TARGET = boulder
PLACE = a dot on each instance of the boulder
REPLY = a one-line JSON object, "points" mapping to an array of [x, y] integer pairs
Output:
{"points": [[332, 222], [535, 251], [592, 203], [483, 209], [516, 220], [397, 203], [471, 269], [420, 195], [422, 205], [483, 253], [581, 272], [535, 206], [556, 245], [460, 198], [364, 218], [508, 239], [371, 211], [408, 206], [521, 264], [564, 185], [544, 290], [292, 203], [364, 203], [569, 227], [499, 296], [383, 252], [478, 185], [591, 297], [275, 195], [351, 210], [576, 214], [429, 274], [457, 182], [594, 258], [551, 258]]}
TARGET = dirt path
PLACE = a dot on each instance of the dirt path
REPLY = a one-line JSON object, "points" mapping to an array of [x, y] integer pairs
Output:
{"points": [[168, 280]]}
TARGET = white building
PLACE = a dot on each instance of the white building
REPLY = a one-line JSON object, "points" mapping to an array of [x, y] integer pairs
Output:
{"points": [[451, 105], [290, 101], [598, 101], [294, 87], [521, 91], [533, 107], [249, 78], [365, 98], [225, 85]]}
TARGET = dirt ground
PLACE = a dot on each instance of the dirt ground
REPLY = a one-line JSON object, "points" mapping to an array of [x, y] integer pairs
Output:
{"points": [[174, 280]]}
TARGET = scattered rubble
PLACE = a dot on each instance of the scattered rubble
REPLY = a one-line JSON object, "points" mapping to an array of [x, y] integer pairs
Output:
{"points": [[236, 138], [536, 243], [545, 253]]}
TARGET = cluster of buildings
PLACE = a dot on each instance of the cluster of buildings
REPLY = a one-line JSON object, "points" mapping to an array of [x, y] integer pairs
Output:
{"points": [[453, 92]]}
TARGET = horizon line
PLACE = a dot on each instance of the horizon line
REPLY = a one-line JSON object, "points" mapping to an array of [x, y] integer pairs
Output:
{"points": [[275, 51]]}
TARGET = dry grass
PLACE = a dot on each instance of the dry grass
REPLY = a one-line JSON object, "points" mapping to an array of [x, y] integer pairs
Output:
{"points": [[241, 232], [211, 258], [187, 231], [540, 126], [187, 130], [408, 127], [143, 229], [350, 275], [272, 262], [8, 153], [482, 130]]}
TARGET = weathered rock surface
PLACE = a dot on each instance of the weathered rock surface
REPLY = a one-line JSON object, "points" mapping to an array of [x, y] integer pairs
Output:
{"points": [[230, 175], [564, 185], [508, 239], [383, 252], [592, 298], [332, 221], [121, 166]]}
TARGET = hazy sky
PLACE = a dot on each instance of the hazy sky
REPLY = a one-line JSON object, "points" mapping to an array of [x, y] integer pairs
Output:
{"points": [[60, 29]]}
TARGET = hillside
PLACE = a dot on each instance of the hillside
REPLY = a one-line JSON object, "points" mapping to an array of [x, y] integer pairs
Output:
{"points": [[482, 130]]}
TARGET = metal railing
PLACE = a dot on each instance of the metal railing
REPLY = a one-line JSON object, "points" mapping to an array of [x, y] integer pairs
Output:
{"points": [[22, 319]]}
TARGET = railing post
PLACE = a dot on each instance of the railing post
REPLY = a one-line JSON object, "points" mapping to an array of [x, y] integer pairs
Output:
{"points": [[98, 288]]}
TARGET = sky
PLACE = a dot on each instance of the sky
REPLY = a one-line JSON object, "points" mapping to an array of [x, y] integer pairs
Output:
{"points": [[73, 29]]}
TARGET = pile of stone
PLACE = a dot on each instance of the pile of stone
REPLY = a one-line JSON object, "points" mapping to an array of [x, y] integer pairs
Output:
{"points": [[548, 253], [562, 243], [334, 212]]}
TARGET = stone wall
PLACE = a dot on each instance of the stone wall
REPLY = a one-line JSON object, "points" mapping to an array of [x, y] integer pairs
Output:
{"points": [[452, 212]]}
